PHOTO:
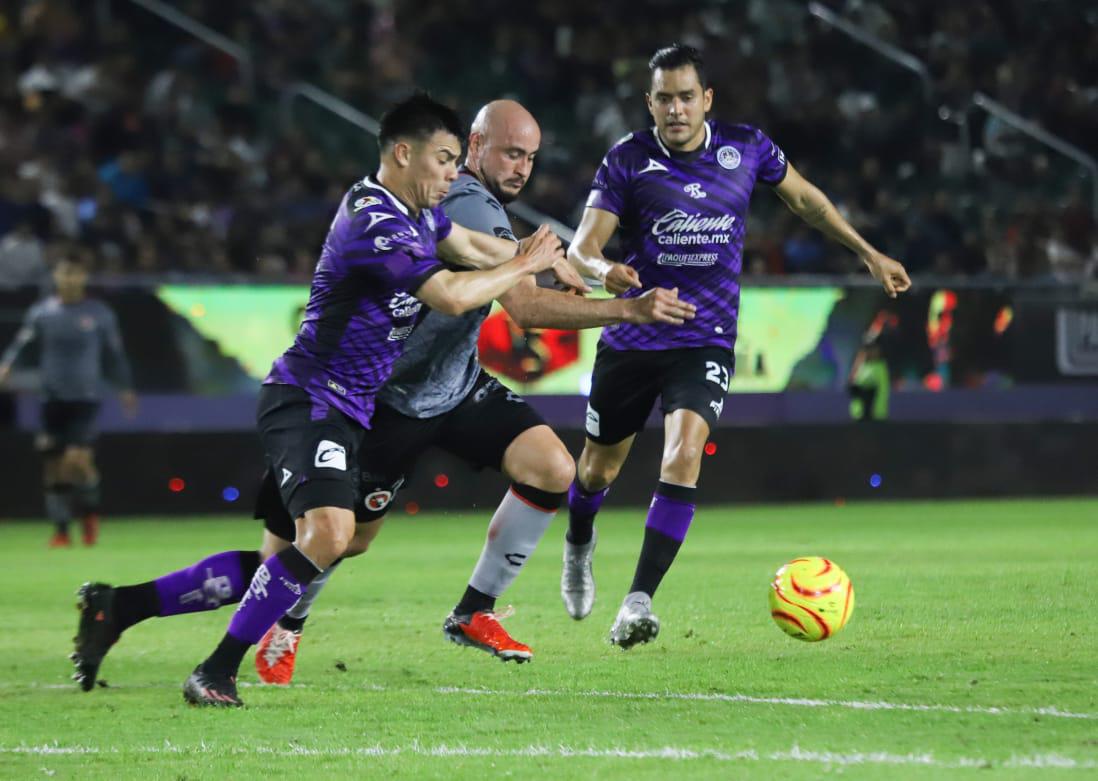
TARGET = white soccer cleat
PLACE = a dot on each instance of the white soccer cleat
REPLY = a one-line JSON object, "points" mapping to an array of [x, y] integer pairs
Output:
{"points": [[635, 622], [577, 579]]}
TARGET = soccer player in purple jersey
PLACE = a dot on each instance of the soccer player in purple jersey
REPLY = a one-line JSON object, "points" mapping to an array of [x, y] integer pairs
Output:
{"points": [[379, 264], [680, 192]]}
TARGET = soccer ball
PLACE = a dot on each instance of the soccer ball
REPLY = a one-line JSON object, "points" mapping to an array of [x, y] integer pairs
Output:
{"points": [[811, 598]]}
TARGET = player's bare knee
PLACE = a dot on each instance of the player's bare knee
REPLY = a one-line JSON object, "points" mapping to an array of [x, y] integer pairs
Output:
{"points": [[556, 472], [324, 534], [596, 475]]}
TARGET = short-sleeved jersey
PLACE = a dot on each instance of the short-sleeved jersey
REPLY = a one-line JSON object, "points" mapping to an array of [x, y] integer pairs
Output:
{"points": [[76, 342], [682, 222], [439, 366], [362, 305]]}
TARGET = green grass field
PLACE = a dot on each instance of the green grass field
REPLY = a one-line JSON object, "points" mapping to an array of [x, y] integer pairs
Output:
{"points": [[971, 654]]}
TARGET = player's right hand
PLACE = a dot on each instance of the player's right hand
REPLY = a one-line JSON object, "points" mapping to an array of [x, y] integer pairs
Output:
{"points": [[620, 278], [542, 249], [660, 305]]}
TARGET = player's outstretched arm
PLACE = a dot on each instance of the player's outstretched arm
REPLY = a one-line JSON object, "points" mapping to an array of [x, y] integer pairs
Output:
{"points": [[531, 306], [806, 201], [473, 249], [595, 230], [454, 293], [23, 337]]}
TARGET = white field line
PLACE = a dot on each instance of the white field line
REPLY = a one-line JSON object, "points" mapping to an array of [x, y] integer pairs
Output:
{"points": [[667, 753], [1050, 711], [800, 702]]}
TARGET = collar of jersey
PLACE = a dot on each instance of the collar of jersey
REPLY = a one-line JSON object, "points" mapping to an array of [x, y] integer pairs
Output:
{"points": [[396, 201], [667, 152]]}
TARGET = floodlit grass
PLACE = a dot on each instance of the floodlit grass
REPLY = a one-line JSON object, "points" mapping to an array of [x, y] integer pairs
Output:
{"points": [[977, 610]]}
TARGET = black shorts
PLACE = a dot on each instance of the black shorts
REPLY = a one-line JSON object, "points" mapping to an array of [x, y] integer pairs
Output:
{"points": [[66, 424], [478, 431], [311, 449], [626, 383]]}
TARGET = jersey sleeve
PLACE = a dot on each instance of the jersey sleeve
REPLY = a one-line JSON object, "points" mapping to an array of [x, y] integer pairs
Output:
{"points": [[119, 364], [609, 188], [479, 212], [26, 334], [443, 225], [390, 257], [772, 165]]}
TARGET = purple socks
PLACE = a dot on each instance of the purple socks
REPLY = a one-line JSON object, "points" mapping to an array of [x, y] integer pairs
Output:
{"points": [[583, 505], [209, 584]]}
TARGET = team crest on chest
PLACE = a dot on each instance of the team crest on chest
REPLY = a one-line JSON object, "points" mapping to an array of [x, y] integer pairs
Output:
{"points": [[728, 157]]}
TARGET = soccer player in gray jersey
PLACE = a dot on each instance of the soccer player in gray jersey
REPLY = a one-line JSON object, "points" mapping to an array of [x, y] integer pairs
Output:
{"points": [[381, 261], [680, 193], [473, 416], [77, 338], [438, 395]]}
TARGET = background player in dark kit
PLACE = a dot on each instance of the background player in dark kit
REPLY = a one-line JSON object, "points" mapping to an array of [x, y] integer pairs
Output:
{"points": [[77, 338]]}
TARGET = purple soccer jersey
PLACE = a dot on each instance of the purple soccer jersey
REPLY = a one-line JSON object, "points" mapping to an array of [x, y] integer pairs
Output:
{"points": [[683, 218], [362, 305]]}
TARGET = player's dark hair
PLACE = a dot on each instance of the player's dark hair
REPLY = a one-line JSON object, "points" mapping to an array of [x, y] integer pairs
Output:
{"points": [[679, 55], [416, 118]]}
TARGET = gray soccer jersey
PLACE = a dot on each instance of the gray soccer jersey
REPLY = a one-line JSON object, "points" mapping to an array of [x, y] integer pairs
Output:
{"points": [[439, 364], [75, 341]]}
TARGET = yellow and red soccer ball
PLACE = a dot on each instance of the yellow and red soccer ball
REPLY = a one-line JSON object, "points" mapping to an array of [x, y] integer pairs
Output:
{"points": [[811, 598]]}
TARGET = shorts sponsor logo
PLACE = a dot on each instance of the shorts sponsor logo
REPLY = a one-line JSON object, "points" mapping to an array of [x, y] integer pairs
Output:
{"points": [[729, 157], [717, 407], [592, 423], [330, 455], [401, 333], [378, 500]]}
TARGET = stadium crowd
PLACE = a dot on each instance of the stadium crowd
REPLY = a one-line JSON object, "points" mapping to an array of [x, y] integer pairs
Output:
{"points": [[126, 140]]}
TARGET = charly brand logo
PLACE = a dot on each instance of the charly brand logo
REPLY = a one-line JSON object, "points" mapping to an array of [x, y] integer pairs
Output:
{"points": [[694, 190], [652, 165], [728, 157]]}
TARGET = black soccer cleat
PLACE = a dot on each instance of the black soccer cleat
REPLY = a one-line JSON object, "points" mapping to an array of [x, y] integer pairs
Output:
{"points": [[95, 634], [211, 690]]}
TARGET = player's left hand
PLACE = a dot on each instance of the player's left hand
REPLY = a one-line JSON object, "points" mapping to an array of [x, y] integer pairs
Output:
{"points": [[128, 400], [567, 275], [890, 273], [660, 305]]}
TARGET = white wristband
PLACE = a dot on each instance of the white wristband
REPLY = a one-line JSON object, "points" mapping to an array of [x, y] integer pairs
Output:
{"points": [[599, 268]]}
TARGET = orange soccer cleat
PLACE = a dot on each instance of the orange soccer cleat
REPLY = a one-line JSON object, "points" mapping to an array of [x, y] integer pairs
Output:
{"points": [[60, 540], [90, 524], [276, 655], [482, 630]]}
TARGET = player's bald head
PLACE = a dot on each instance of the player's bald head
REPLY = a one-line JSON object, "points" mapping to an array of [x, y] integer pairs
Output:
{"points": [[503, 141], [507, 118]]}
